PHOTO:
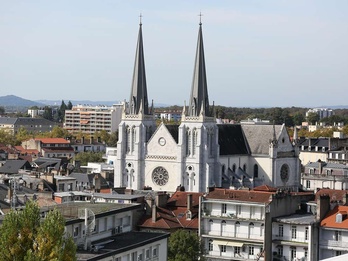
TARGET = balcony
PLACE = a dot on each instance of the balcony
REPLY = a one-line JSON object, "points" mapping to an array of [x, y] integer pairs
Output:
{"points": [[246, 237], [333, 243], [290, 239], [230, 215]]}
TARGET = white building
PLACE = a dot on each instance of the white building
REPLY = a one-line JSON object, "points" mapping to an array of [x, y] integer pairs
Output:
{"points": [[294, 237], [334, 233], [237, 224], [90, 119], [198, 153], [322, 112]]}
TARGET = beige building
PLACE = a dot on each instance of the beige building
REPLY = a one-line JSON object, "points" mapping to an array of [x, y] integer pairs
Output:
{"points": [[89, 119]]}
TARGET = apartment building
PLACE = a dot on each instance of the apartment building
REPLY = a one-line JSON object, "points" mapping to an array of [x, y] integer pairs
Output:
{"points": [[237, 224], [90, 119], [334, 233], [324, 175], [294, 237], [50, 147]]}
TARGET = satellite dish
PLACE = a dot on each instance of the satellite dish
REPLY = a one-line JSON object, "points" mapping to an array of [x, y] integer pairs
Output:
{"points": [[89, 217]]}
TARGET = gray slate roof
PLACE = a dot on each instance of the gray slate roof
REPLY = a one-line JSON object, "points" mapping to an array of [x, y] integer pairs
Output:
{"points": [[13, 166], [258, 137]]}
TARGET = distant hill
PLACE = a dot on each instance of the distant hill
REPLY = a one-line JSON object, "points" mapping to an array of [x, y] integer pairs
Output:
{"points": [[15, 101], [93, 103]]}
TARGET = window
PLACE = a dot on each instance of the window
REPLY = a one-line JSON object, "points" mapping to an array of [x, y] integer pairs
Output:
{"points": [[223, 208], [244, 167], [188, 142], [306, 233], [238, 209], [76, 231], [308, 184], [256, 171], [210, 245], [147, 254], [293, 232], [154, 252], [280, 230], [280, 250], [338, 236], [223, 249], [293, 253], [251, 250], [234, 168], [140, 257], [194, 142], [338, 253], [237, 250]]}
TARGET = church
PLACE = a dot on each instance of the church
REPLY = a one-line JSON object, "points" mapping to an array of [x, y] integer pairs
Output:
{"points": [[198, 153]]}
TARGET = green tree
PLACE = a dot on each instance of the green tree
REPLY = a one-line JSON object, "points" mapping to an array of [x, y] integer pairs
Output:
{"points": [[312, 117], [7, 138], [69, 106], [61, 111], [48, 113], [59, 132], [2, 110], [21, 135], [112, 142], [298, 118], [89, 156], [185, 246], [345, 130], [23, 236]]}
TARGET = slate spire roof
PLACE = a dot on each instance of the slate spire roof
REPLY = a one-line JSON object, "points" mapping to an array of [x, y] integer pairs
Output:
{"points": [[199, 101], [138, 101]]}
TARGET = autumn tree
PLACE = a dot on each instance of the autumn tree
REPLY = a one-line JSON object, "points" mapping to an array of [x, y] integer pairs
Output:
{"points": [[24, 236], [185, 246]]}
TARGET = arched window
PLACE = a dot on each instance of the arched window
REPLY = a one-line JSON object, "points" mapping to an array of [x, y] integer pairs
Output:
{"points": [[188, 142], [133, 139], [244, 167], [223, 169], [210, 245], [128, 139], [256, 171], [194, 143], [234, 168]]}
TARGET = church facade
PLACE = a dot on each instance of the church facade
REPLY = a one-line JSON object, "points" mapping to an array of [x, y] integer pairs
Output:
{"points": [[198, 153]]}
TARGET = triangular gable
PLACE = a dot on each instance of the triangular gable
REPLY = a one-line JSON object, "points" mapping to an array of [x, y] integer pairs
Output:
{"points": [[162, 143]]}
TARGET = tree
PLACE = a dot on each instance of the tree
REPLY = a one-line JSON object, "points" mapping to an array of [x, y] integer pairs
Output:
{"points": [[312, 117], [47, 113], [2, 110], [69, 106], [7, 138], [112, 142], [89, 156], [184, 246], [23, 236], [298, 118]]}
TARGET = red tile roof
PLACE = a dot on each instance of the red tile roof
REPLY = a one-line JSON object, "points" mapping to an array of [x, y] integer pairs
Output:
{"points": [[240, 195], [265, 188], [335, 195], [179, 199], [330, 218], [53, 140]]}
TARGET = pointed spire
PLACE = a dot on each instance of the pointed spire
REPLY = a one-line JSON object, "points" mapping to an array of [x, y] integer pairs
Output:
{"points": [[199, 101], [138, 99]]}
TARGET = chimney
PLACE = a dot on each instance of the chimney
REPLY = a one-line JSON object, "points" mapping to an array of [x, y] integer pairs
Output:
{"points": [[154, 213], [161, 200], [189, 201], [345, 199], [323, 206]]}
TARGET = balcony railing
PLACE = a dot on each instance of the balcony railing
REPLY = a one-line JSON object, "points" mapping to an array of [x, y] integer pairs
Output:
{"points": [[233, 235], [290, 238], [333, 243]]}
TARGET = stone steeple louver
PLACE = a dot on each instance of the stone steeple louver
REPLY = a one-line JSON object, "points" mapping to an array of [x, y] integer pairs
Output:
{"points": [[138, 102], [199, 101]]}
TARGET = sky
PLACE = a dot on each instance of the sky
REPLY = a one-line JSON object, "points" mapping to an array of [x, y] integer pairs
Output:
{"points": [[258, 53]]}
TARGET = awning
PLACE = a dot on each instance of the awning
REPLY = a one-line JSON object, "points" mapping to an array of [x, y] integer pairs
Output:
{"points": [[228, 243]]}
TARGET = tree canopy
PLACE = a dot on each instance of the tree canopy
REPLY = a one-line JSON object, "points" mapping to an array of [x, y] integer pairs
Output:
{"points": [[185, 246], [23, 236]]}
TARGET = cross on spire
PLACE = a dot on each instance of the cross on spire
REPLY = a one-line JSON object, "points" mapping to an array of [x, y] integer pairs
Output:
{"points": [[200, 18], [140, 16]]}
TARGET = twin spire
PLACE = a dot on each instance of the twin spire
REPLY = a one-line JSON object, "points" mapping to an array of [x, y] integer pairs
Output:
{"points": [[199, 101]]}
